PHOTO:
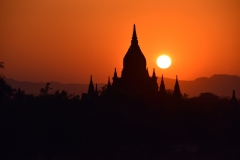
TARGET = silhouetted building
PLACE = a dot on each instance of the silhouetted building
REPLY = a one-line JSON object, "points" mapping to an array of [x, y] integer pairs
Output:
{"points": [[135, 79], [234, 101], [91, 87], [176, 92], [162, 90], [91, 92]]}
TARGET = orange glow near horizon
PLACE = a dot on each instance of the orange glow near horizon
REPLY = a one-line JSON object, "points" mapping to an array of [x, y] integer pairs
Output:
{"points": [[67, 41]]}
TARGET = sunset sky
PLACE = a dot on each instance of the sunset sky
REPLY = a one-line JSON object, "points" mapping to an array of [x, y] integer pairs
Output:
{"points": [[69, 40]]}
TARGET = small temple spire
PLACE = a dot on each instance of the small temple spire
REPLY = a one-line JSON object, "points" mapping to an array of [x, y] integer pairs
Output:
{"points": [[115, 73], [177, 92], [134, 35], [162, 89], [91, 87], [176, 84]]}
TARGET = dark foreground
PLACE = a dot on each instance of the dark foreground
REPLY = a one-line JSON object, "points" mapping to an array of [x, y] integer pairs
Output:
{"points": [[61, 126]]}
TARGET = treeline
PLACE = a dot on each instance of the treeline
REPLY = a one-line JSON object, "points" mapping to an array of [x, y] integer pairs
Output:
{"points": [[57, 123]]}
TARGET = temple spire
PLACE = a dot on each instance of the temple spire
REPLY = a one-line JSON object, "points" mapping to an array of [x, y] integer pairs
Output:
{"points": [[134, 35], [115, 73], [162, 89], [177, 93], [91, 87]]}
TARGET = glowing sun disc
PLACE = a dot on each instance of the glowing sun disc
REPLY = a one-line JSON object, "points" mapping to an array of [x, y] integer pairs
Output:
{"points": [[164, 61]]}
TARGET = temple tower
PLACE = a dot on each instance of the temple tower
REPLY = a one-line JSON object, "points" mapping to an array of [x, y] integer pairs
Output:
{"points": [[135, 79], [176, 92], [91, 87], [162, 90]]}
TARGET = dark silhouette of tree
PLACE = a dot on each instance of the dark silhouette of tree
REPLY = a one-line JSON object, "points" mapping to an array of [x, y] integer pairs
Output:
{"points": [[45, 91], [185, 96], [19, 95], [208, 96], [63, 94], [1, 65], [6, 91], [58, 123]]}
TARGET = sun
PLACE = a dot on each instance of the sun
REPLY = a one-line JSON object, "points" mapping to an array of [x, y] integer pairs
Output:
{"points": [[164, 61]]}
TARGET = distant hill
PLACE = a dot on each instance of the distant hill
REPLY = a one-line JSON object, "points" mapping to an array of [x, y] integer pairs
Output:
{"points": [[221, 85], [34, 88]]}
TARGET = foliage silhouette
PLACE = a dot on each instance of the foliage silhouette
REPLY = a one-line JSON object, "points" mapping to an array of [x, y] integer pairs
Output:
{"points": [[45, 91], [56, 124], [1, 65]]}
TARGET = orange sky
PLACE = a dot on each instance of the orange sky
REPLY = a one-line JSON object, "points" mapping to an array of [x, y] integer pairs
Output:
{"points": [[67, 40]]}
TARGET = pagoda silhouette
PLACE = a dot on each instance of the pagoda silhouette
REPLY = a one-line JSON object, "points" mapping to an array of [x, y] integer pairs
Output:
{"points": [[135, 79]]}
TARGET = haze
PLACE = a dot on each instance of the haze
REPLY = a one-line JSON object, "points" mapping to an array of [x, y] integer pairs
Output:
{"points": [[67, 41]]}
